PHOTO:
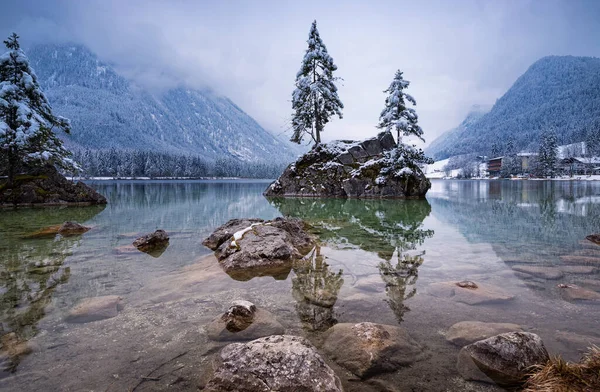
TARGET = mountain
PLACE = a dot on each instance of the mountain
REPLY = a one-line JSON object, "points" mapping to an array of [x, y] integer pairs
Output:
{"points": [[560, 92], [106, 110], [453, 136]]}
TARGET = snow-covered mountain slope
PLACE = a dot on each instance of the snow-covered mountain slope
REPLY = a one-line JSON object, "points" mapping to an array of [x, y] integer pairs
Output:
{"points": [[107, 110], [556, 92]]}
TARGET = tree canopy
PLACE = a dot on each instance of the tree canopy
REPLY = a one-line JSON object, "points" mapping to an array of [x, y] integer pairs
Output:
{"points": [[315, 99], [396, 115], [27, 124]]}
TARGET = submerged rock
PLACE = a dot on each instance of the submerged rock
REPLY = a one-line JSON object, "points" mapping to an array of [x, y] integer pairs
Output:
{"points": [[66, 229], [506, 358], [94, 309], [467, 332], [548, 273], [244, 321], [571, 292], [367, 348], [47, 186], [373, 168], [264, 248], [469, 292], [273, 363], [154, 243], [595, 238]]}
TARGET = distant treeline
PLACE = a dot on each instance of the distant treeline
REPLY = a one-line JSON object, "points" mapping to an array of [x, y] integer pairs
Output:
{"points": [[125, 163]]}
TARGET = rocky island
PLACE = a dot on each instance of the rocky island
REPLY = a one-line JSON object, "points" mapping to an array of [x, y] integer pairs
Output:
{"points": [[46, 186], [374, 168]]}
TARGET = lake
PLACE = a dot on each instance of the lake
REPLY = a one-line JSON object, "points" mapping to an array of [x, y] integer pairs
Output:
{"points": [[379, 260]]}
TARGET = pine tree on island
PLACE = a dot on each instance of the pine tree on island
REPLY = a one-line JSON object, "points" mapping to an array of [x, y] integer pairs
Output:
{"points": [[548, 154], [27, 124], [315, 99], [396, 115]]}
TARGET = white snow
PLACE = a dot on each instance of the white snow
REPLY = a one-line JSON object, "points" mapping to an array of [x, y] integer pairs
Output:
{"points": [[238, 235]]}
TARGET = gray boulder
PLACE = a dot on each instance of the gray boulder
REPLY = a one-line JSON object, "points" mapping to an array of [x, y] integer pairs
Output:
{"points": [[226, 231], [243, 321], [263, 248], [273, 363], [373, 168], [154, 243], [506, 358], [367, 349]]}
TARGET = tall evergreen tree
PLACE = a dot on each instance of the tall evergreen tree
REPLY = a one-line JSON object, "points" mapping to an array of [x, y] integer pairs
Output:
{"points": [[27, 123], [396, 115], [315, 98], [548, 154]]}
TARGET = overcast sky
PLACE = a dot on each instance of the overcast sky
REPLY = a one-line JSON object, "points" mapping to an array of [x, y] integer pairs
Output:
{"points": [[455, 53]]}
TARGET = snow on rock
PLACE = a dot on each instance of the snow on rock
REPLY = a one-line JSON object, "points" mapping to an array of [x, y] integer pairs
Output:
{"points": [[372, 168]]}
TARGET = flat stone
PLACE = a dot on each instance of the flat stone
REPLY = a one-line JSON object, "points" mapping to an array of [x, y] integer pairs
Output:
{"points": [[367, 348], [467, 332], [579, 269], [571, 292], [580, 260], [507, 358], [273, 363], [483, 294], [94, 309], [548, 273], [579, 342], [592, 284]]}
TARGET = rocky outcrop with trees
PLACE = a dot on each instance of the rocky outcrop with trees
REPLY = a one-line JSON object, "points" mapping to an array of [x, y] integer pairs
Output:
{"points": [[374, 168]]}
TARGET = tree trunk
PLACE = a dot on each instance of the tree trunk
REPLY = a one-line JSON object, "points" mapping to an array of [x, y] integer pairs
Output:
{"points": [[11, 168]]}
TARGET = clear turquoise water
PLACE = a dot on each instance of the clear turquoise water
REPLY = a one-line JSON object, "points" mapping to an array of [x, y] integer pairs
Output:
{"points": [[377, 262]]}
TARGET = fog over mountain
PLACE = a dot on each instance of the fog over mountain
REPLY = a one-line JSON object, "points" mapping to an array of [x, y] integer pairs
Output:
{"points": [[454, 53], [108, 111]]}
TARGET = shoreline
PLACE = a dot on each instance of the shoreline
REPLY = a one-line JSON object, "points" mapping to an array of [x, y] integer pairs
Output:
{"points": [[579, 178]]}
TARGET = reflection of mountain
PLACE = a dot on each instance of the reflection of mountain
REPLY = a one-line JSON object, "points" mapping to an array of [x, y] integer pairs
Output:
{"points": [[186, 205], [390, 228], [30, 271], [519, 213], [378, 226]]}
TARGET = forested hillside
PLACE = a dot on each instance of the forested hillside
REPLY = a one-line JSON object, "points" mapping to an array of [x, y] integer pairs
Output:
{"points": [[559, 92], [109, 112]]}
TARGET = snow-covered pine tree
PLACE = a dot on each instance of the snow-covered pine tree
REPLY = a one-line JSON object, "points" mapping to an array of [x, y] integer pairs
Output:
{"points": [[27, 124], [315, 98], [548, 154], [395, 115]]}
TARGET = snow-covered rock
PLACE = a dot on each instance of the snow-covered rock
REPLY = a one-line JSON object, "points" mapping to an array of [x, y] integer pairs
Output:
{"points": [[373, 168]]}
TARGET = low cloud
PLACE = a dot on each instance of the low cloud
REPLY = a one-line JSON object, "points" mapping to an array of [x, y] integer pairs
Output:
{"points": [[456, 54]]}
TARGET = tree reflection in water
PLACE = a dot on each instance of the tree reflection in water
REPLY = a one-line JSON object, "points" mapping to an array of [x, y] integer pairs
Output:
{"points": [[393, 229], [316, 288], [30, 271]]}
